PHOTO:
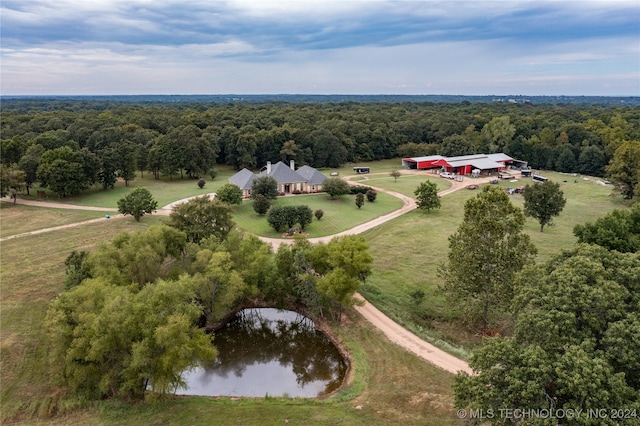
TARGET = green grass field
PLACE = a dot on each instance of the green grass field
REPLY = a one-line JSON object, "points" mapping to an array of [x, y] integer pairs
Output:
{"points": [[164, 190], [390, 385], [408, 250], [340, 214], [405, 184]]}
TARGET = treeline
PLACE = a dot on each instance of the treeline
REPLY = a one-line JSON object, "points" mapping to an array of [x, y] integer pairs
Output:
{"points": [[100, 142]]}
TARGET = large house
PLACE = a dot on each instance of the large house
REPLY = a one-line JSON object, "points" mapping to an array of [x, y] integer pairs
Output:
{"points": [[484, 164], [290, 181]]}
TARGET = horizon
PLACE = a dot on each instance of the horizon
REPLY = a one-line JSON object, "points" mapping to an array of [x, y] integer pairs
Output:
{"points": [[325, 48]]}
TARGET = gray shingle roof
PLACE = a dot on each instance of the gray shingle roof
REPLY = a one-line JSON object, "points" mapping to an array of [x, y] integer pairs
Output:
{"points": [[244, 178], [311, 175], [283, 174]]}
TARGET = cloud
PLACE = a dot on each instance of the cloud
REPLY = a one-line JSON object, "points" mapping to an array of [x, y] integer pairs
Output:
{"points": [[243, 46]]}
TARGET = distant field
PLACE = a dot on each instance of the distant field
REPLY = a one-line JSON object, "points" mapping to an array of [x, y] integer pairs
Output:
{"points": [[16, 218]]}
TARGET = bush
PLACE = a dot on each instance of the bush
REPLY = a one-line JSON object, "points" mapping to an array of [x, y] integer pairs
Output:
{"points": [[360, 189], [371, 195], [319, 213], [230, 194], [261, 204], [265, 185], [201, 183]]}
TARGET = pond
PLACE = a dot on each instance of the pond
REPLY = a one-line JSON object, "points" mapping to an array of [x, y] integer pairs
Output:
{"points": [[269, 352]]}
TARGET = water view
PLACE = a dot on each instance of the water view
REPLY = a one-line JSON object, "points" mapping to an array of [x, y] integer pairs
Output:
{"points": [[269, 352]]}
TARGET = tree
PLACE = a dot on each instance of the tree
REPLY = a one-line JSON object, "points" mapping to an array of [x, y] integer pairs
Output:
{"points": [[29, 163], [343, 263], [318, 214], [335, 187], [624, 169], [221, 286], [371, 195], [266, 186], [276, 217], [63, 171], [395, 174], [305, 216], [137, 203], [261, 204], [146, 338], [12, 180], [498, 133], [592, 161], [427, 196], [576, 343], [618, 230], [230, 194], [485, 253], [543, 201], [359, 200], [456, 145], [202, 217]]}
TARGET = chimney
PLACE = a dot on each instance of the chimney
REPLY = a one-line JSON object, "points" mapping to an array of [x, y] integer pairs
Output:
{"points": [[268, 167], [292, 164]]}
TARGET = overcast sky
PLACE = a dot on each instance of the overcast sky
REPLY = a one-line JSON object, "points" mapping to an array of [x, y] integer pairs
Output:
{"points": [[108, 47]]}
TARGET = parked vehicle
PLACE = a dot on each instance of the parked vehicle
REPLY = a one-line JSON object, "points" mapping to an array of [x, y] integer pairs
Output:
{"points": [[447, 175]]}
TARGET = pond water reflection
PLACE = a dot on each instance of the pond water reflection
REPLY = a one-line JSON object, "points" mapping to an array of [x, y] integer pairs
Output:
{"points": [[269, 352]]}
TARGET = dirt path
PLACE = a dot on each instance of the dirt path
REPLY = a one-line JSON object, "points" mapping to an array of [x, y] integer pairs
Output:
{"points": [[164, 211], [386, 325]]}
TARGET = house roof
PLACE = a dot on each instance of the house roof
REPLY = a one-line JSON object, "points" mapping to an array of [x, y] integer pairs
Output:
{"points": [[243, 179], [283, 174], [311, 175]]}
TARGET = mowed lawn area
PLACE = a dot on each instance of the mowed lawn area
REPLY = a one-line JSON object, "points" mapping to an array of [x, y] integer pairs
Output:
{"points": [[406, 184], [408, 250], [164, 190], [340, 213], [390, 386]]}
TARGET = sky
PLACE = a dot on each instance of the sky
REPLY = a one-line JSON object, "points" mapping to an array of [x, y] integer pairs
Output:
{"points": [[128, 47]]}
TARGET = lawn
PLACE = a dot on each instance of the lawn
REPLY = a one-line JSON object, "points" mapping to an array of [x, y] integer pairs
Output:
{"points": [[164, 190], [340, 214], [390, 386], [406, 184], [408, 250]]}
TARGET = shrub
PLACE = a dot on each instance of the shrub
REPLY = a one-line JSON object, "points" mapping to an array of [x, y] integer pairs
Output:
{"points": [[359, 189], [201, 183], [319, 213], [261, 204], [371, 195], [230, 194]]}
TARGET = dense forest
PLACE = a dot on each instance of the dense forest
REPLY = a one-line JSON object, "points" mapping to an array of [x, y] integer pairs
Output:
{"points": [[69, 145]]}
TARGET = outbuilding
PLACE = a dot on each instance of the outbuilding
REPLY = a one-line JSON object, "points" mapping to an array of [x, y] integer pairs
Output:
{"points": [[475, 165]]}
